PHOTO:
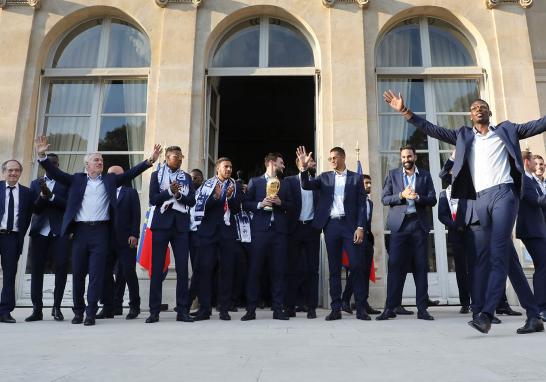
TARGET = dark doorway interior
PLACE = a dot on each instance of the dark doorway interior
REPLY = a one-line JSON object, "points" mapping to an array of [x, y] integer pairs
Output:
{"points": [[265, 114]]}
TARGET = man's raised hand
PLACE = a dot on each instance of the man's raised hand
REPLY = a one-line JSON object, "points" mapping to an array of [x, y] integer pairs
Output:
{"points": [[156, 153], [394, 101], [303, 157], [41, 146]]}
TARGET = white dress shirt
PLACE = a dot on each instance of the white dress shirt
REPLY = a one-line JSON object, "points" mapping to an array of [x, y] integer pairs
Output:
{"points": [[410, 181], [95, 202], [368, 209], [4, 222], [338, 209], [488, 160], [307, 212], [50, 183], [117, 192]]}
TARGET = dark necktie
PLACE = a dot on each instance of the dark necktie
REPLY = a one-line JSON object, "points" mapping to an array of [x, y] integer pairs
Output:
{"points": [[11, 209]]}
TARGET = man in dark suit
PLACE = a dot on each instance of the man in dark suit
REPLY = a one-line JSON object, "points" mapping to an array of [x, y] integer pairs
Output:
{"points": [[303, 245], [217, 203], [410, 194], [172, 195], [47, 242], [90, 209], [16, 205], [489, 169], [269, 228], [341, 214], [368, 248], [531, 229], [197, 181], [123, 246]]}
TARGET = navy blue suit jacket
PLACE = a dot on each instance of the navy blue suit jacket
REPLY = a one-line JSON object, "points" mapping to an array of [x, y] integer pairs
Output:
{"points": [[354, 202], [171, 218], [78, 182], [510, 133], [368, 229], [26, 206], [213, 220], [394, 185], [261, 219], [127, 218], [532, 211], [294, 184], [48, 210]]}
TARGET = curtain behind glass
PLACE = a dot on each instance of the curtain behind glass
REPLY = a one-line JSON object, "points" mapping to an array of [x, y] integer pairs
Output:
{"points": [[448, 47], [401, 47], [80, 48], [128, 47]]}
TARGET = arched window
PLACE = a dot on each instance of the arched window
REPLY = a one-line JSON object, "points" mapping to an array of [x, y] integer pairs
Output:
{"points": [[95, 94]]}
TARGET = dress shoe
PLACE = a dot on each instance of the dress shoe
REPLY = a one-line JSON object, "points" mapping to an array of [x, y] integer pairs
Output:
{"points": [[386, 315], [200, 316], [481, 323], [403, 311], [249, 315], [233, 309], [433, 302], [464, 309], [78, 319], [333, 315], [363, 316], [278, 314], [104, 313], [57, 314], [507, 310], [7, 319], [194, 313], [495, 320], [424, 315], [543, 315], [133, 313], [302, 309], [371, 310], [290, 312], [118, 311], [224, 316], [532, 325], [346, 307], [311, 313], [185, 317], [89, 321], [152, 318], [36, 315]]}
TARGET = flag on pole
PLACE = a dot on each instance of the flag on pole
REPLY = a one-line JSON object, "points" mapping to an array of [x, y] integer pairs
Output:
{"points": [[144, 253]]}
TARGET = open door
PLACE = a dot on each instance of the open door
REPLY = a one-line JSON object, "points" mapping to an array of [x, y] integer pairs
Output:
{"points": [[212, 125]]}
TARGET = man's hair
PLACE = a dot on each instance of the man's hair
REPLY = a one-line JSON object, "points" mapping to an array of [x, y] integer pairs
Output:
{"points": [[481, 100], [171, 149], [88, 157], [526, 155], [5, 164], [52, 155], [338, 150], [408, 147], [366, 176], [222, 159], [197, 170], [536, 156], [272, 157]]}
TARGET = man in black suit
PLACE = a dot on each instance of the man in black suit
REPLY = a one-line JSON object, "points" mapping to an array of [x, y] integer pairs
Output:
{"points": [[197, 180], [269, 228], [90, 209], [303, 245], [46, 242], [123, 246], [410, 194], [16, 205]]}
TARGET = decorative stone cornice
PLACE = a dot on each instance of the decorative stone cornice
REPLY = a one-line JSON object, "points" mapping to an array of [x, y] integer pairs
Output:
{"points": [[13, 3], [164, 3], [495, 3], [360, 3]]}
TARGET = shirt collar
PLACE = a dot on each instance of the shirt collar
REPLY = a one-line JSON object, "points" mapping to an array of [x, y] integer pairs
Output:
{"points": [[490, 128], [97, 178], [537, 179], [529, 175], [343, 173], [16, 186], [404, 171]]}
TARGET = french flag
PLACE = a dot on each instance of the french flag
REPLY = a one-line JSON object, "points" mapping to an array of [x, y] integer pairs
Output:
{"points": [[144, 254]]}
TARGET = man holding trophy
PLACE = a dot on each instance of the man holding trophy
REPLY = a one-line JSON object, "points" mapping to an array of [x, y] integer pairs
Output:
{"points": [[269, 202]]}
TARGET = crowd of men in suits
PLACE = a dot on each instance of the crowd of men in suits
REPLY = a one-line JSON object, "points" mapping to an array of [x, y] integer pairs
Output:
{"points": [[211, 223]]}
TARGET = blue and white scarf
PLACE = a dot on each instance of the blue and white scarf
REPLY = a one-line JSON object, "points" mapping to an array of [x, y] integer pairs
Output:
{"points": [[165, 176], [203, 194]]}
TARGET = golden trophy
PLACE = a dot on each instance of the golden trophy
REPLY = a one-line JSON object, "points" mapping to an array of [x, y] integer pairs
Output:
{"points": [[271, 190]]}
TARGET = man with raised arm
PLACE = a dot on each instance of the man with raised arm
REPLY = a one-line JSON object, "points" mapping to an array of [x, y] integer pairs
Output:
{"points": [[489, 169]]}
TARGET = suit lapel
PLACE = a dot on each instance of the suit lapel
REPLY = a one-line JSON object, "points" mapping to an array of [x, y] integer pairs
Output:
{"points": [[122, 193], [2, 198]]}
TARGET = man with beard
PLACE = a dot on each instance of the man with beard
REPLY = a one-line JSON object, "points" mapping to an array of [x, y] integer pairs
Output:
{"points": [[489, 169], [217, 202], [341, 214], [410, 194], [269, 228]]}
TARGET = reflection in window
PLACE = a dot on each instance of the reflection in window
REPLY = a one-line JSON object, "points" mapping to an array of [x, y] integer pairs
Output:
{"points": [[240, 47], [287, 46]]}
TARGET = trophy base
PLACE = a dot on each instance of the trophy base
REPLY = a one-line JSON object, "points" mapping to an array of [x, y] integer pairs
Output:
{"points": [[268, 208]]}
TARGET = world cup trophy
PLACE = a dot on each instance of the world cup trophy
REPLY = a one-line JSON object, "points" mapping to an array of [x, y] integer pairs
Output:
{"points": [[272, 189]]}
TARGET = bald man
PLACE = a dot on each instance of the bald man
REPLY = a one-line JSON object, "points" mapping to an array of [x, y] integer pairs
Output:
{"points": [[123, 246]]}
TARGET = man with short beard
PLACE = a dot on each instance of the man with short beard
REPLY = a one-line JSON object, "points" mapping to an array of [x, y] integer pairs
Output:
{"points": [[538, 172]]}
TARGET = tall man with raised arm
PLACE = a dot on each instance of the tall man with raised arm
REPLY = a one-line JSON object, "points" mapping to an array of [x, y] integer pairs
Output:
{"points": [[90, 209], [489, 169], [172, 195], [341, 214]]}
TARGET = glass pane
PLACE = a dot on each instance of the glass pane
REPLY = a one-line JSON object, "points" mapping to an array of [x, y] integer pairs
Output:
{"points": [[452, 122], [240, 47], [288, 47], [122, 133], [126, 162], [412, 90], [431, 252], [448, 46], [70, 97], [80, 48], [401, 46], [395, 132], [213, 105], [125, 96], [72, 163], [67, 133], [212, 142], [128, 47], [455, 95]]}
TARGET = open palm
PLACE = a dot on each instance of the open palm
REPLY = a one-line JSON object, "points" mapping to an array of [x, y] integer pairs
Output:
{"points": [[394, 101]]}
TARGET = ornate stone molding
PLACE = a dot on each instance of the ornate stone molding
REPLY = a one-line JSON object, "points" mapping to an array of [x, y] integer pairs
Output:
{"points": [[495, 3], [164, 3], [13, 3], [360, 3]]}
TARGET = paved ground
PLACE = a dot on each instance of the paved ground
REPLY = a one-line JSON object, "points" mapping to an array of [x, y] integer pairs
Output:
{"points": [[404, 349]]}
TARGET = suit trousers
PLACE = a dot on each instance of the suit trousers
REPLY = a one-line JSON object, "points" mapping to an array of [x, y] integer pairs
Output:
{"points": [[125, 259], [461, 255], [194, 260], [180, 246], [338, 237], [43, 248], [537, 249], [407, 250], [368, 258], [89, 252], [9, 243]]}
